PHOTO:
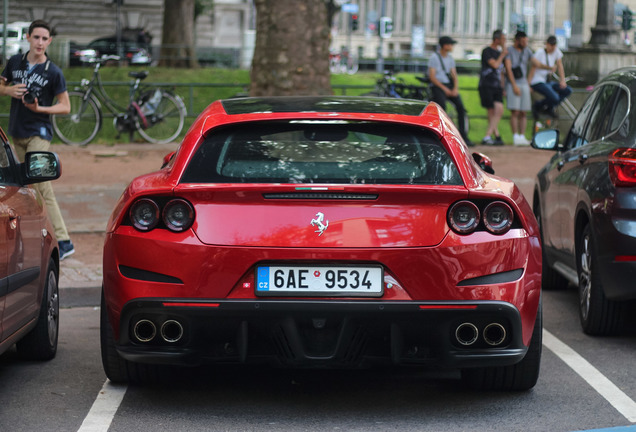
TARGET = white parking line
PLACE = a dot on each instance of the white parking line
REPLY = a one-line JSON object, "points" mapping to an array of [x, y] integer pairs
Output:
{"points": [[104, 408], [615, 396]]}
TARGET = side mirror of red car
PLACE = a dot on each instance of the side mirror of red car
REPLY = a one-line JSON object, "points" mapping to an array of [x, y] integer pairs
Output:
{"points": [[167, 158], [484, 162]]}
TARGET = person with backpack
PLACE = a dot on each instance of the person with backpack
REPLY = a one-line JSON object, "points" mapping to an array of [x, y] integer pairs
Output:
{"points": [[443, 75]]}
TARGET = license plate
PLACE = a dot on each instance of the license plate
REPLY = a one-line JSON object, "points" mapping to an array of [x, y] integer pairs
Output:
{"points": [[320, 281]]}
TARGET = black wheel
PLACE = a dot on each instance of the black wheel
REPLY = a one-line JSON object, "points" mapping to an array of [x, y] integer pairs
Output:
{"points": [[117, 369], [41, 342], [80, 126], [518, 377], [163, 116], [598, 315], [551, 280]]}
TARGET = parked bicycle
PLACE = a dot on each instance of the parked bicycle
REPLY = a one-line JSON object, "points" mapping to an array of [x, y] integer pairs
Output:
{"points": [[391, 86], [157, 114]]}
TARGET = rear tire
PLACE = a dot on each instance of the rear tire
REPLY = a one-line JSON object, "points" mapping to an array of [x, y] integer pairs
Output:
{"points": [[81, 125], [117, 369], [598, 315], [41, 342], [518, 377], [165, 121]]}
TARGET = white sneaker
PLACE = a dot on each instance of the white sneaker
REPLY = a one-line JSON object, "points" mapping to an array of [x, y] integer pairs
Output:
{"points": [[520, 140]]}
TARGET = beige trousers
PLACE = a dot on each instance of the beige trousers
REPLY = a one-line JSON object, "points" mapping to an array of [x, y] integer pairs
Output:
{"points": [[35, 143]]}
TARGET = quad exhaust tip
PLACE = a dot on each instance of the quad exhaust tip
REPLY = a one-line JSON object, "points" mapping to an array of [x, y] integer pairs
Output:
{"points": [[145, 330], [171, 331], [466, 334], [494, 334]]}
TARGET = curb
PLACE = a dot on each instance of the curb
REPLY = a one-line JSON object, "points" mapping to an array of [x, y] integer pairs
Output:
{"points": [[80, 297]]}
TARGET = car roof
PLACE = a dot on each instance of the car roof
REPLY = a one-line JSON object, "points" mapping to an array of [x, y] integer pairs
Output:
{"points": [[323, 104], [624, 74]]}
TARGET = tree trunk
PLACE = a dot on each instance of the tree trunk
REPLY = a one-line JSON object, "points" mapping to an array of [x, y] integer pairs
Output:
{"points": [[177, 43], [291, 55]]}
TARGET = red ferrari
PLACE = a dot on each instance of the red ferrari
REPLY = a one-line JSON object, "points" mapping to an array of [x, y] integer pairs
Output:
{"points": [[324, 232]]}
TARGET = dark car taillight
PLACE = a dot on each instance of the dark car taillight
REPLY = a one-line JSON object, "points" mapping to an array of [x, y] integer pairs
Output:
{"points": [[464, 217], [144, 214], [498, 217], [622, 167], [176, 214]]}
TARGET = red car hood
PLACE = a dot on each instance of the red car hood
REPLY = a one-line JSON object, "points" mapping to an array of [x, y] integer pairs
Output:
{"points": [[281, 217]]}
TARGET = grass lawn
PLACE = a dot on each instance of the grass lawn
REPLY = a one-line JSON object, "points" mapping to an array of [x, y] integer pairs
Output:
{"points": [[212, 84]]}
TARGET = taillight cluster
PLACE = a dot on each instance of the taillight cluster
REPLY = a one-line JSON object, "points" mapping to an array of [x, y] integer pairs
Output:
{"points": [[176, 214], [622, 167], [465, 217]]}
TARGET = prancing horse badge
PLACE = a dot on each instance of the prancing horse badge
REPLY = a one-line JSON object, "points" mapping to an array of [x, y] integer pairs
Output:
{"points": [[318, 222]]}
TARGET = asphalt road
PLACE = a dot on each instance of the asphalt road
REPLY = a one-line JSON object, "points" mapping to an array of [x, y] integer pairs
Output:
{"points": [[70, 393]]}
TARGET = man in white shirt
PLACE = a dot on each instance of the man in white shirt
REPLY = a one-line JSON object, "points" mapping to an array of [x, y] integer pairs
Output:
{"points": [[544, 63]]}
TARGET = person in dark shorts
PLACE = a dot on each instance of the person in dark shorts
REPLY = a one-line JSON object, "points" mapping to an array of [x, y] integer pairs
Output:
{"points": [[491, 85], [443, 75]]}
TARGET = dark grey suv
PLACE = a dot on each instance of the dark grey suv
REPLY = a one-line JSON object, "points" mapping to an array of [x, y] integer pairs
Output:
{"points": [[585, 202]]}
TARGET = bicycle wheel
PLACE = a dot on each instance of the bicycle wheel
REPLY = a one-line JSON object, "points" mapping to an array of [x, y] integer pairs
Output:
{"points": [[164, 121], [80, 126]]}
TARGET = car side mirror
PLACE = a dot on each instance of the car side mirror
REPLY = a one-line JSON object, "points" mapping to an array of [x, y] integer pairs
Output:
{"points": [[484, 162], [41, 166], [546, 140], [167, 158]]}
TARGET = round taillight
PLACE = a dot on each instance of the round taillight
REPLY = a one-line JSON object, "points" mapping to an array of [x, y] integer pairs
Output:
{"points": [[144, 214], [178, 215], [463, 217], [498, 217]]}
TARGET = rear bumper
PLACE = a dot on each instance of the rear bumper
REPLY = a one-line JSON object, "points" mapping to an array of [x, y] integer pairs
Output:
{"points": [[316, 333]]}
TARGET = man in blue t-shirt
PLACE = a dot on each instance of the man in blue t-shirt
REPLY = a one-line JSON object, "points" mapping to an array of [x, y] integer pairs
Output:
{"points": [[34, 82]]}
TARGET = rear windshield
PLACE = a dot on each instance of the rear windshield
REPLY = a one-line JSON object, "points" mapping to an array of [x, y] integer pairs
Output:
{"points": [[330, 152]]}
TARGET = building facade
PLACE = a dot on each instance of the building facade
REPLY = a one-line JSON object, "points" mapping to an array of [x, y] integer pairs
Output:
{"points": [[419, 23], [229, 25]]}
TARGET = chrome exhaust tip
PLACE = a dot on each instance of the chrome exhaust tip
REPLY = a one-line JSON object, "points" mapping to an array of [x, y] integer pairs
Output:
{"points": [[466, 334], [145, 330], [171, 331], [494, 334]]}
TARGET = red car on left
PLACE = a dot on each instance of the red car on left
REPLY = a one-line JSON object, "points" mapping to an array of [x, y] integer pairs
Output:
{"points": [[29, 258]]}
